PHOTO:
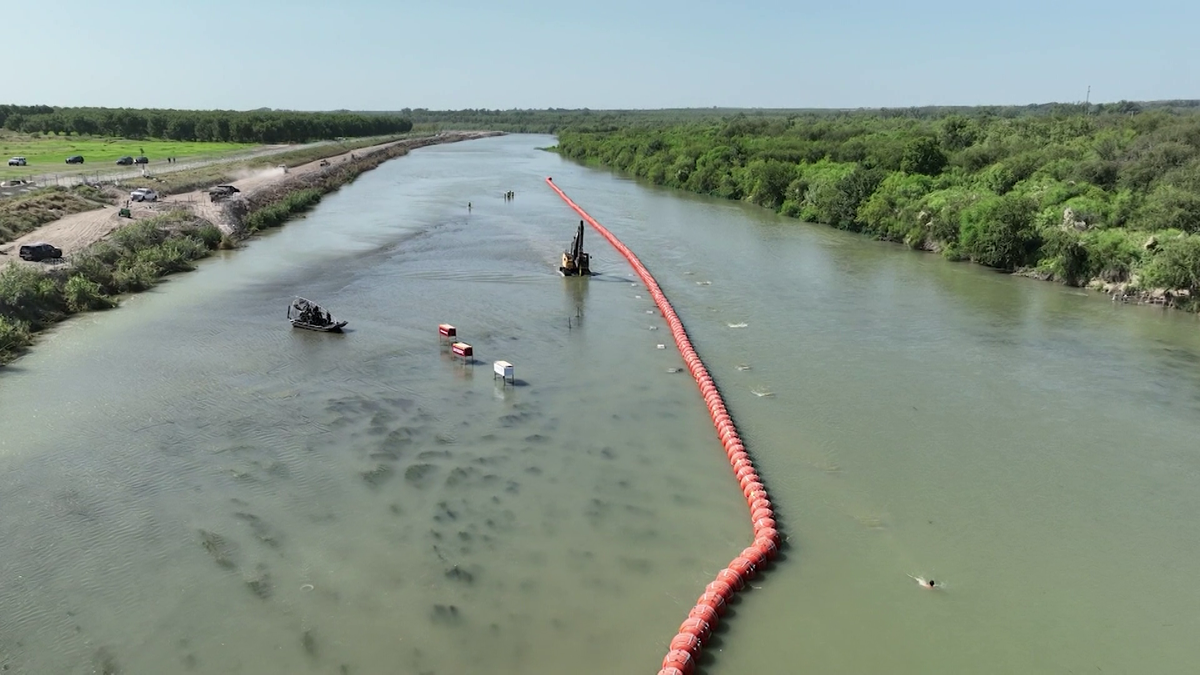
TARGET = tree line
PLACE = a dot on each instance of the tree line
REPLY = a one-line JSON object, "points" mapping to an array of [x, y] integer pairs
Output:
{"points": [[553, 120], [258, 126], [1106, 194]]}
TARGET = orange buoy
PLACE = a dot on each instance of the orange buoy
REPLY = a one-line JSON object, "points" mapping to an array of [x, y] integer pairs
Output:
{"points": [[686, 642], [714, 600], [770, 534], [764, 523], [742, 567], [696, 630], [755, 555], [721, 588], [767, 547], [732, 577], [746, 474], [697, 627], [677, 658], [705, 612]]}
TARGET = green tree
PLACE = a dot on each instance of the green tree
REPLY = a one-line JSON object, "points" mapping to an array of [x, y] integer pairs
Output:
{"points": [[1176, 265], [999, 232], [765, 182], [923, 156]]}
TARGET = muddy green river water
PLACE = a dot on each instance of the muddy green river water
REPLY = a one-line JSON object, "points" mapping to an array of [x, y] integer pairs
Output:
{"points": [[189, 485]]}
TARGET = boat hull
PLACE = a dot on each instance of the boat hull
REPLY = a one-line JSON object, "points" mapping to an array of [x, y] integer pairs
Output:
{"points": [[335, 327]]}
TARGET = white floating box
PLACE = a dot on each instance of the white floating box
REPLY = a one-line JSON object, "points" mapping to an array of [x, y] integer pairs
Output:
{"points": [[504, 369]]}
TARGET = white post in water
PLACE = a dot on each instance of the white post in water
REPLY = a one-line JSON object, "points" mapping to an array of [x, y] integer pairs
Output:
{"points": [[505, 370]]}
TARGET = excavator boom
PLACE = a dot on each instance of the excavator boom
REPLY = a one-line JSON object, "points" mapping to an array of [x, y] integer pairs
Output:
{"points": [[577, 245], [575, 261]]}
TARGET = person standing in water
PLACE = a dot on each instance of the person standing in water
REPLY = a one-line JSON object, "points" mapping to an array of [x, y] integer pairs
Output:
{"points": [[468, 206]]}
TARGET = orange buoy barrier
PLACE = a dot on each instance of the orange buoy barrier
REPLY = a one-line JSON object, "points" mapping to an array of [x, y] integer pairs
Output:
{"points": [[685, 647]]}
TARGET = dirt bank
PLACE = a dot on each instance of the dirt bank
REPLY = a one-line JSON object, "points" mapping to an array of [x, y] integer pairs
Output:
{"points": [[74, 233]]}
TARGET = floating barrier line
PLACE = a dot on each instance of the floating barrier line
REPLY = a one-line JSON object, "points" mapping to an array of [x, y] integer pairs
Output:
{"points": [[694, 632]]}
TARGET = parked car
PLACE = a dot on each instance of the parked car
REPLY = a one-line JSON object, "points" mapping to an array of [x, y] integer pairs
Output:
{"points": [[75, 159], [141, 160], [16, 161], [125, 161], [144, 195], [40, 251]]}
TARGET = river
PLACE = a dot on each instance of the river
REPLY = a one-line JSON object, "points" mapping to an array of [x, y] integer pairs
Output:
{"points": [[188, 484]]}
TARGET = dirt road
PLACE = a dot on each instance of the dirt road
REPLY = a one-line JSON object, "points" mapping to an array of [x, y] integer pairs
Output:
{"points": [[76, 232], [68, 176], [264, 178]]}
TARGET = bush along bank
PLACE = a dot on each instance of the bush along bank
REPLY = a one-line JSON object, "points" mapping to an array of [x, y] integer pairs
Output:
{"points": [[136, 256], [1108, 199], [133, 259]]}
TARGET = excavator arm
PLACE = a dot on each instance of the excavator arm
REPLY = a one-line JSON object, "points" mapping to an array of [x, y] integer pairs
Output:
{"points": [[575, 261]]}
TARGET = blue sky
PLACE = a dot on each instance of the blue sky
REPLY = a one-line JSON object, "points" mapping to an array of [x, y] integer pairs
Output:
{"points": [[370, 54]]}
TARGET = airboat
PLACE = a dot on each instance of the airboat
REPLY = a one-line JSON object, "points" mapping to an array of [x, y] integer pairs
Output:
{"points": [[309, 316]]}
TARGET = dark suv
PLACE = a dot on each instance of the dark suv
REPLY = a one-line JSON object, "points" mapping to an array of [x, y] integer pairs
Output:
{"points": [[75, 159], [40, 251], [125, 161], [141, 160]]}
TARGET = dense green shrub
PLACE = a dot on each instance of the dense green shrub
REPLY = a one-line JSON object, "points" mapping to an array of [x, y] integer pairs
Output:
{"points": [[14, 336], [132, 259], [278, 213], [1177, 265], [1074, 195], [82, 294]]}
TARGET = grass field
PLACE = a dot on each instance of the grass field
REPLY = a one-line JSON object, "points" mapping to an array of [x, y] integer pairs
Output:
{"points": [[48, 154]]}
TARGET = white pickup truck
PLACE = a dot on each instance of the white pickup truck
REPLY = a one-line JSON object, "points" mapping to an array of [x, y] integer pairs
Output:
{"points": [[143, 195]]}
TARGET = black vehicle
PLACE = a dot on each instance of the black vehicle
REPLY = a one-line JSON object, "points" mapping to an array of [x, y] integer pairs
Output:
{"points": [[40, 251], [75, 159], [141, 160], [125, 161], [222, 192]]}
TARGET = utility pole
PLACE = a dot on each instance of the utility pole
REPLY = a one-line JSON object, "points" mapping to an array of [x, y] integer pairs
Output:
{"points": [[1087, 102]]}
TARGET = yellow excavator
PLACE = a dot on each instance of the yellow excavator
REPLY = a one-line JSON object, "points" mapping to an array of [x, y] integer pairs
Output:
{"points": [[574, 260]]}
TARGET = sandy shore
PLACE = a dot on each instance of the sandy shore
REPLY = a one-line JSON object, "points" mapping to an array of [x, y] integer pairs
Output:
{"points": [[78, 231]]}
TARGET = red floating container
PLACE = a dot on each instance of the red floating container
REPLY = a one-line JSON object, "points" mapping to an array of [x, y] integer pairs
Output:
{"points": [[446, 330], [462, 349]]}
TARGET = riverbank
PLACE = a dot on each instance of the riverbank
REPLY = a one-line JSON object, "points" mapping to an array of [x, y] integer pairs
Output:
{"points": [[106, 256], [338, 470], [1104, 201]]}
